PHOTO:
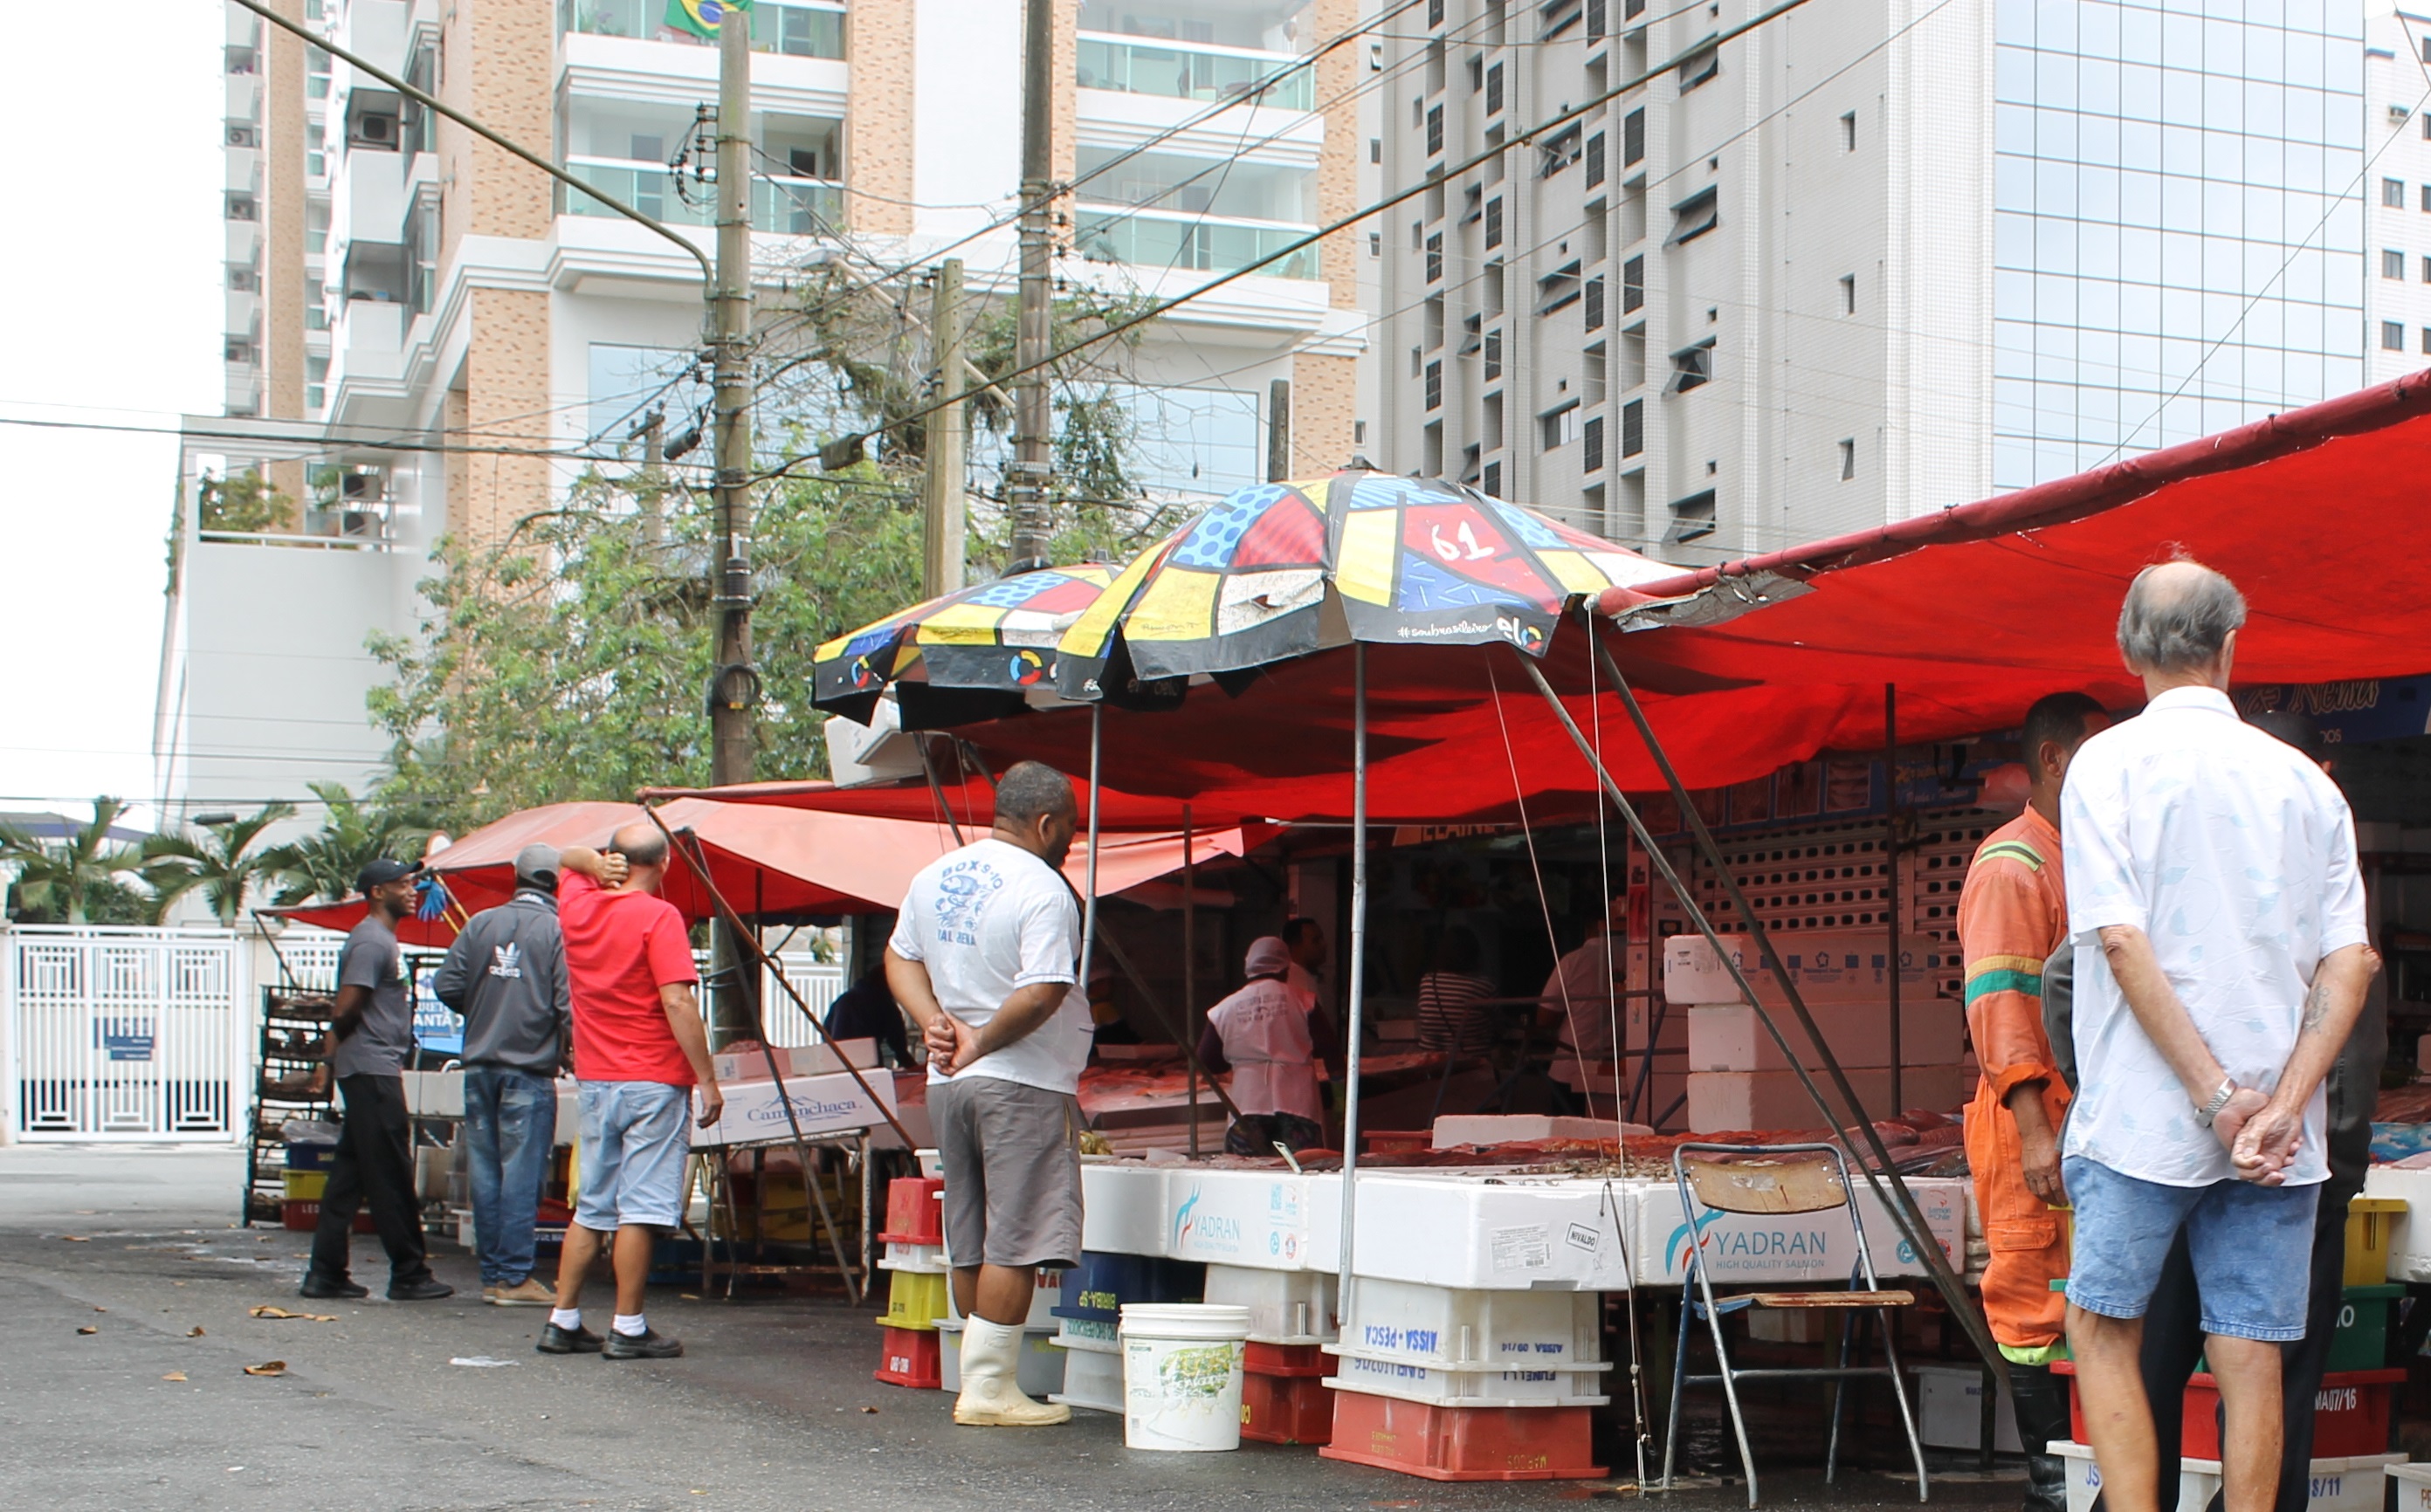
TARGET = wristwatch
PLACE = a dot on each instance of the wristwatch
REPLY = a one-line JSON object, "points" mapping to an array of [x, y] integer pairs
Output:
{"points": [[2210, 1110]]}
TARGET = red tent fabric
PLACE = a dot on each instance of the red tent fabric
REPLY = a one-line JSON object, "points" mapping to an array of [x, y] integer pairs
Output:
{"points": [[970, 800]]}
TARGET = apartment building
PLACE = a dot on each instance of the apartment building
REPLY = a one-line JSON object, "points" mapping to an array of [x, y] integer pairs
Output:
{"points": [[1861, 262], [425, 336], [2397, 131]]}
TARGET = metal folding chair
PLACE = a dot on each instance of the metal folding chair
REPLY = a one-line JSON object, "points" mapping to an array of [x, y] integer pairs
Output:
{"points": [[1778, 1179]]}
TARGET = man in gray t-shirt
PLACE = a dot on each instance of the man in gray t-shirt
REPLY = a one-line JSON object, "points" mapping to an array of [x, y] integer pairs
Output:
{"points": [[372, 1032]]}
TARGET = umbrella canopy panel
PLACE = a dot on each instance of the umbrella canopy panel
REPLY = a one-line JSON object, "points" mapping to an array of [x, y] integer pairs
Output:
{"points": [[998, 636]]}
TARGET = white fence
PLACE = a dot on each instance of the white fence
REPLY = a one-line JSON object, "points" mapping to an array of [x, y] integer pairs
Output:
{"points": [[125, 1034]]}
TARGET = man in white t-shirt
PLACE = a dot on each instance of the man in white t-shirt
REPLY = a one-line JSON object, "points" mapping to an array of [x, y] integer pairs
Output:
{"points": [[2221, 961], [982, 957]]}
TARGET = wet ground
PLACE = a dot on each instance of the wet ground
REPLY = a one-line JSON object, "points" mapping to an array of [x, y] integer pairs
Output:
{"points": [[126, 1294]]}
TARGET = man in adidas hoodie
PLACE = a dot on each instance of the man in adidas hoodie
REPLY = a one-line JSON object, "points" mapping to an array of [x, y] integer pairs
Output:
{"points": [[506, 974]]}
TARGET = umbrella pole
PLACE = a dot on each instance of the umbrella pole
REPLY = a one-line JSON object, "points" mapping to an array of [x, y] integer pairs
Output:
{"points": [[1358, 969], [1089, 904], [1190, 967]]}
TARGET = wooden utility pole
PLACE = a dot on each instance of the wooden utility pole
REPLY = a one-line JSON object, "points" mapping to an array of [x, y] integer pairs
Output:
{"points": [[1033, 426], [942, 490]]}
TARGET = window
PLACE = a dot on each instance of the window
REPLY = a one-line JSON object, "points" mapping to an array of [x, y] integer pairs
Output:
{"points": [[1491, 411], [2392, 265], [1554, 17], [1848, 459], [1559, 427], [1375, 244], [1359, 433], [1696, 215], [1435, 131], [2427, 340], [2392, 193], [1493, 480], [1434, 12], [1692, 367], [2427, 269], [1591, 452], [1847, 293], [1598, 17], [1494, 223], [1494, 288], [1493, 90], [2426, 54], [1375, 149], [2427, 197], [2392, 336], [1435, 386], [1632, 427], [1633, 137], [1699, 67], [1692, 518], [1432, 323], [1633, 285], [1493, 355], [1595, 304], [1595, 159], [1849, 132], [1561, 151], [1435, 259], [1418, 360], [2426, 115]]}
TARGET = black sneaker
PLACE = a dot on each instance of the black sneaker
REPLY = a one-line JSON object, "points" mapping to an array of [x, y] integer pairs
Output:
{"points": [[651, 1345], [425, 1289], [320, 1288], [576, 1340]]}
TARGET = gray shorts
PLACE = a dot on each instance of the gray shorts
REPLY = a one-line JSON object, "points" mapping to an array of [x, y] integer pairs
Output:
{"points": [[1012, 1154]]}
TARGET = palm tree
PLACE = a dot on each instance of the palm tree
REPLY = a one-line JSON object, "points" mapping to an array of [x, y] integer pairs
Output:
{"points": [[65, 877], [221, 860], [354, 832]]}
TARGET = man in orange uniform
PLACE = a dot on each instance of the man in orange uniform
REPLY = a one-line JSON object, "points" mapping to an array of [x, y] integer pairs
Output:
{"points": [[2012, 915]]}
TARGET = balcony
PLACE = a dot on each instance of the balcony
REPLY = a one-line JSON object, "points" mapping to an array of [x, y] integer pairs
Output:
{"points": [[781, 207], [1198, 72], [793, 30], [1151, 238]]}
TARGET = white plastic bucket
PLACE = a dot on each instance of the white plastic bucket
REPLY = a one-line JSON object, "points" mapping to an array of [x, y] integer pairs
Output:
{"points": [[1181, 1375]]}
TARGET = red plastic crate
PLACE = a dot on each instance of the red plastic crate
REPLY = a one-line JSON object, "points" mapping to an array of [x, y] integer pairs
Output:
{"points": [[305, 1218], [2350, 1414], [909, 1357], [1287, 1361], [915, 1214], [1463, 1443], [1285, 1410]]}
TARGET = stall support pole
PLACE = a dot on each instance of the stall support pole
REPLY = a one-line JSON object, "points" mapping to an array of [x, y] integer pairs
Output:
{"points": [[1890, 868], [1190, 967], [1089, 904], [1358, 969]]}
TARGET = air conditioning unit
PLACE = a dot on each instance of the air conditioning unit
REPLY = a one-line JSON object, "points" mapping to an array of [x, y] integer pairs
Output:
{"points": [[377, 129], [360, 488]]}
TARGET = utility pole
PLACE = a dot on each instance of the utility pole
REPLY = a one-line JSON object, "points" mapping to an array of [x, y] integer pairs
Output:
{"points": [[1279, 430], [941, 535], [652, 433], [734, 687], [1033, 420]]}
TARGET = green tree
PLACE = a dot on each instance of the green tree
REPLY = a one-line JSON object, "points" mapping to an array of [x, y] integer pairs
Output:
{"points": [[226, 861], [246, 504], [353, 831], [74, 879]]}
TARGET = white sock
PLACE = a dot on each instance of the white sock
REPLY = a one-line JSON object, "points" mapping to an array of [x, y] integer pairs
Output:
{"points": [[569, 1319], [632, 1327]]}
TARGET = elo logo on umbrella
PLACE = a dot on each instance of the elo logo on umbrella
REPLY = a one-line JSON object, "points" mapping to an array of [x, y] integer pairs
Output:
{"points": [[1026, 668]]}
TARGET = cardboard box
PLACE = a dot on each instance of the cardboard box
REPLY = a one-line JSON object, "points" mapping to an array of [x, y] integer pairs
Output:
{"points": [[1828, 965], [833, 1103], [1730, 1100], [805, 1060], [1729, 1035]]}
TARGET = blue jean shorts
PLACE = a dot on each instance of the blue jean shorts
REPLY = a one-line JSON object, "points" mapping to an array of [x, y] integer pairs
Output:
{"points": [[2252, 1247], [635, 1138]]}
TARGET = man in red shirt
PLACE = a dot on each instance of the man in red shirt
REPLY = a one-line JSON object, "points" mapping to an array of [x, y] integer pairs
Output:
{"points": [[639, 1048]]}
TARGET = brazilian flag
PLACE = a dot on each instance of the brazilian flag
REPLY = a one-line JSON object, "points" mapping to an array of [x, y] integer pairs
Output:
{"points": [[700, 17]]}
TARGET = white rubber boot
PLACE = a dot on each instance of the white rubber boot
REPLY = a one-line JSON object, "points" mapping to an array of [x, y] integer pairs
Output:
{"points": [[992, 1396]]}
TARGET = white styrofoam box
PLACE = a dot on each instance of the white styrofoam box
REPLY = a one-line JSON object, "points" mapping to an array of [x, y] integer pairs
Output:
{"points": [[1440, 1325], [1723, 1099], [1484, 1386], [822, 1104], [1741, 1247], [925, 1260], [1950, 1410], [2197, 1479], [2410, 1242], [932, 1165], [1729, 1036], [1091, 1379], [2413, 1482], [1828, 965], [808, 1060], [1448, 1229], [2354, 1483], [1454, 1130], [1044, 1298], [1259, 1218], [1122, 1207], [436, 1094], [1040, 1372], [1285, 1306]]}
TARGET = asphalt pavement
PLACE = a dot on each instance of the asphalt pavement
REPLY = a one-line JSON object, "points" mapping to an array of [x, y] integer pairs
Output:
{"points": [[125, 1291]]}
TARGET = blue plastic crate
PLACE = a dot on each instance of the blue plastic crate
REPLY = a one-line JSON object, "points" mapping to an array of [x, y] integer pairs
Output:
{"points": [[311, 1156], [1098, 1291]]}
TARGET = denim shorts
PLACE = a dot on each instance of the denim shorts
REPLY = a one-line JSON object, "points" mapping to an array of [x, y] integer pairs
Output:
{"points": [[2252, 1248], [630, 1166]]}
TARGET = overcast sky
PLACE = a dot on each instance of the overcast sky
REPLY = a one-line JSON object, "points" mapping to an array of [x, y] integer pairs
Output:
{"points": [[110, 314]]}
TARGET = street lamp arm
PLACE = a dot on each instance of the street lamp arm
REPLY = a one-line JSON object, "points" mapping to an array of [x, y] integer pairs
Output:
{"points": [[429, 102]]}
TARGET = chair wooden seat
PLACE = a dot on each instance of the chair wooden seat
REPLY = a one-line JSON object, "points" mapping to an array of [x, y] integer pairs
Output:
{"points": [[1894, 1298]]}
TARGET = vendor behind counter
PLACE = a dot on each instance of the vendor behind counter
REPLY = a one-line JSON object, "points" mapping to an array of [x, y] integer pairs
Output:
{"points": [[1267, 1034]]}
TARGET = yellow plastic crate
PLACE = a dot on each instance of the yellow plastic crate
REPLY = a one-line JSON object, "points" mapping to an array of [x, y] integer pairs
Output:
{"points": [[914, 1300], [2371, 1220], [306, 1185]]}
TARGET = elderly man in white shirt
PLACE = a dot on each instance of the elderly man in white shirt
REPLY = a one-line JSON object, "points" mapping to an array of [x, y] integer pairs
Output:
{"points": [[2214, 870]]}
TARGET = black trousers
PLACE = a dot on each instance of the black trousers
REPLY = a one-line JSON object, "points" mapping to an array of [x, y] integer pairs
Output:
{"points": [[374, 1164], [2173, 1341]]}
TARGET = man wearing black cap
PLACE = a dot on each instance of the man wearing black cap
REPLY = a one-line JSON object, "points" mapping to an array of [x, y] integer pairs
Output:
{"points": [[372, 1035], [506, 974]]}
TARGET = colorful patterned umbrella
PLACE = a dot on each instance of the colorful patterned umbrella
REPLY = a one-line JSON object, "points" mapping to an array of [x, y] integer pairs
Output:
{"points": [[995, 636], [1278, 570]]}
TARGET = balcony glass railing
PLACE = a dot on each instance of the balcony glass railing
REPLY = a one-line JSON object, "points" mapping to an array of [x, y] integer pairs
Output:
{"points": [[1186, 70], [784, 206], [795, 30], [1146, 239]]}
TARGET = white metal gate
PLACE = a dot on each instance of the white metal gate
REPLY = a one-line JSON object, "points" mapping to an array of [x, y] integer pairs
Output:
{"points": [[123, 1034]]}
